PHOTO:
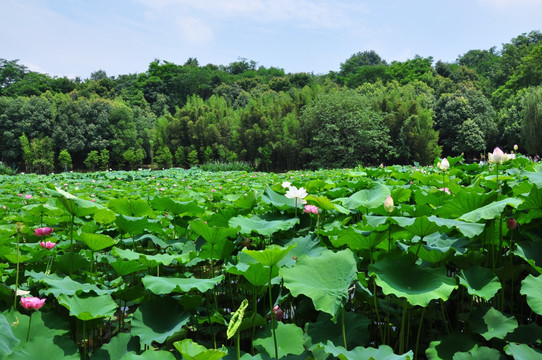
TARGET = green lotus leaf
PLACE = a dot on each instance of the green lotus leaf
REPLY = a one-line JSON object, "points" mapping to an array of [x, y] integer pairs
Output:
{"points": [[438, 247], [522, 352], [419, 285], [270, 256], [480, 281], [45, 346], [150, 355], [463, 202], [322, 202], [261, 225], [97, 242], [256, 274], [191, 350], [383, 352], [42, 209], [6, 231], [534, 177], [325, 329], [531, 252], [530, 287], [324, 279], [422, 227], [179, 208], [212, 234], [449, 345], [479, 353], [357, 239], [304, 246], [158, 319], [491, 323], [277, 200], [66, 286], [104, 216], [89, 307], [73, 205], [163, 285], [289, 340], [7, 340], [246, 202], [533, 200], [119, 346], [131, 207], [469, 230], [490, 211], [370, 198], [526, 334], [131, 225]]}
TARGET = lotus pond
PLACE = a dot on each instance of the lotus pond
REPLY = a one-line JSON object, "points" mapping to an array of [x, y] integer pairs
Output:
{"points": [[386, 263]]}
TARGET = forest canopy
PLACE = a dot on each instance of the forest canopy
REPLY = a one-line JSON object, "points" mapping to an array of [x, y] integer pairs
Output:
{"points": [[369, 112]]}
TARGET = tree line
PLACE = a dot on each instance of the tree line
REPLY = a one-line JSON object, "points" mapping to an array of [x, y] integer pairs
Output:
{"points": [[369, 112]]}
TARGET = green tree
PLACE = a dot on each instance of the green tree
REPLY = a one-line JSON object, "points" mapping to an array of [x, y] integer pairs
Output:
{"points": [[65, 160], [104, 159], [164, 158], [342, 130], [28, 155], [92, 160], [532, 120], [44, 155]]}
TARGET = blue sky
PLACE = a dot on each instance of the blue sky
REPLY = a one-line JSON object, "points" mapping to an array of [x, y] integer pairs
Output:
{"points": [[76, 37]]}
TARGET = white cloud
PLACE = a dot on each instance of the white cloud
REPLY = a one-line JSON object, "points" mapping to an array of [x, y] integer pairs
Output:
{"points": [[502, 4], [303, 13]]}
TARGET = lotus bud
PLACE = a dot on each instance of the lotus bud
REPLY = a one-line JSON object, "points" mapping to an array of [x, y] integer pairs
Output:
{"points": [[388, 204]]}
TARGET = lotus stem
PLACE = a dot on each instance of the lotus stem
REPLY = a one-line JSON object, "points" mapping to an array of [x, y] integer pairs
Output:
{"points": [[17, 272], [402, 333], [29, 326], [419, 333], [343, 329], [271, 313]]}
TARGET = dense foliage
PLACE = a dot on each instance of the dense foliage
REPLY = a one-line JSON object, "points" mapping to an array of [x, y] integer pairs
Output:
{"points": [[369, 112], [393, 262]]}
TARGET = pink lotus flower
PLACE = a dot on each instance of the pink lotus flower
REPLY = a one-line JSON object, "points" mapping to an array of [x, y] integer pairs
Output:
{"points": [[388, 204], [43, 231], [47, 245], [446, 190], [278, 313], [28, 196], [32, 302], [311, 209], [511, 224]]}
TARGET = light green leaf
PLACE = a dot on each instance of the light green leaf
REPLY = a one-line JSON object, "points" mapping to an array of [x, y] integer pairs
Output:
{"points": [[289, 340], [89, 307], [490, 211], [522, 352], [491, 323], [262, 226], [97, 242], [193, 351], [324, 279], [530, 287], [164, 285], [271, 255]]}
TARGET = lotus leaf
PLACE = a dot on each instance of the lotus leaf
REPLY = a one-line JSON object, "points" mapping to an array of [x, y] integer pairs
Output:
{"points": [[191, 350], [324, 279], [419, 285], [158, 319], [163, 285]]}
